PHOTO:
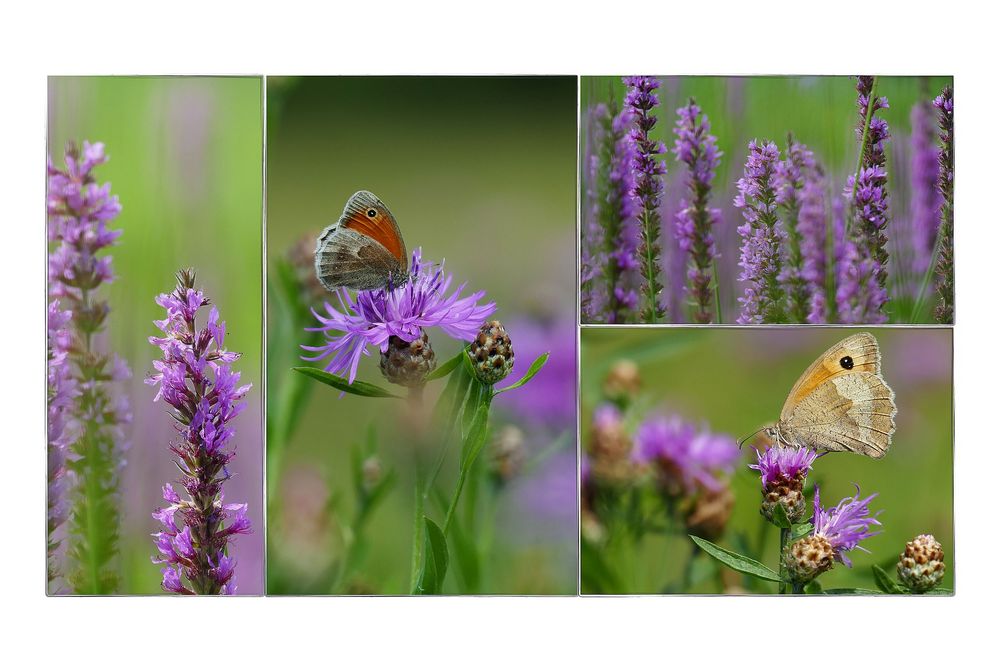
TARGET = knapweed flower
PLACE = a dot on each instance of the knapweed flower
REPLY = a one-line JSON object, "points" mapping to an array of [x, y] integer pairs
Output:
{"points": [[945, 105], [79, 211], [763, 237], [697, 149], [783, 473], [925, 197], [799, 176], [835, 532], [921, 565], [648, 171], [684, 457], [492, 353], [408, 363], [371, 317], [195, 377], [62, 390]]}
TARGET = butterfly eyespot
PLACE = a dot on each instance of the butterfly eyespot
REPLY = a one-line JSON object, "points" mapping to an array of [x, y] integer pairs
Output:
{"points": [[372, 213], [846, 363]]}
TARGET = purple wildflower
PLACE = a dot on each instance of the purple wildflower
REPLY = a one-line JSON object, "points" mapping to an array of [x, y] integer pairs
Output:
{"points": [[648, 170], [945, 311], [780, 464], [845, 525], [696, 148], [925, 198], [371, 317], [800, 196], [79, 211], [195, 377], [686, 458], [62, 390], [763, 237]]}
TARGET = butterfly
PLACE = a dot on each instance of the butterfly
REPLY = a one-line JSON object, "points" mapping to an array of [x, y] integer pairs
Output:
{"points": [[841, 403], [363, 249]]}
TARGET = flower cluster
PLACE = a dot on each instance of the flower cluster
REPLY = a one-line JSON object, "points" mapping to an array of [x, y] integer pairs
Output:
{"points": [[697, 149], [945, 105], [783, 473], [195, 377], [372, 317], [62, 390], [648, 170], [763, 237], [686, 458]]}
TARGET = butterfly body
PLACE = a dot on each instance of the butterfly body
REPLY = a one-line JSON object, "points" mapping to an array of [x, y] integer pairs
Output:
{"points": [[841, 402], [364, 249]]}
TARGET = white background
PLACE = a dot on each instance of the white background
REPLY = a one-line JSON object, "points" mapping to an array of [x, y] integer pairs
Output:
{"points": [[522, 37]]}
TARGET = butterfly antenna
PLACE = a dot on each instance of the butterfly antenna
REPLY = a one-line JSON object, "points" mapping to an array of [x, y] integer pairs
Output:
{"points": [[742, 440]]}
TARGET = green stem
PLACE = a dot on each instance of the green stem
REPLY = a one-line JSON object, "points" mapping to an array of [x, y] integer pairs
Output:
{"points": [[718, 299], [861, 153], [418, 525], [782, 585]]}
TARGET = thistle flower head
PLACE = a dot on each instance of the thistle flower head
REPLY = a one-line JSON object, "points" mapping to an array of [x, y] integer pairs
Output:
{"points": [[685, 457], [921, 565], [846, 525], [783, 473], [408, 364], [371, 317]]}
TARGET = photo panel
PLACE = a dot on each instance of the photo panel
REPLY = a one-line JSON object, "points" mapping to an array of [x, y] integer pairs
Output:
{"points": [[154, 336], [421, 335], [805, 460]]}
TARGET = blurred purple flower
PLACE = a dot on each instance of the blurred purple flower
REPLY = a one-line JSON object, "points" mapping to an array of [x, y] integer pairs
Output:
{"points": [[783, 464], [799, 181], [550, 398], [592, 259], [688, 458], [845, 525], [696, 148], [763, 237], [812, 230], [925, 198], [196, 378], [648, 170], [370, 317], [945, 104]]}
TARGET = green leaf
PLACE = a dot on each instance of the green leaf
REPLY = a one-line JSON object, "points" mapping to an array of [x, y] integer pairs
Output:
{"points": [[536, 366], [447, 367], [475, 439], [813, 587], [799, 530], [736, 561], [851, 591], [358, 388], [779, 517], [939, 591], [885, 583], [435, 560]]}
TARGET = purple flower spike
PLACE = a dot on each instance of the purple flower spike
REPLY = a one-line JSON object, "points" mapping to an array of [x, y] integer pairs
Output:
{"points": [[648, 171], [945, 311], [763, 237], [696, 148], [925, 197], [371, 317], [195, 377], [686, 458], [846, 525]]}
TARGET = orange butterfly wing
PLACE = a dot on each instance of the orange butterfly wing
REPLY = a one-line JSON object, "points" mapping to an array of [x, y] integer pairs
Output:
{"points": [[367, 215]]}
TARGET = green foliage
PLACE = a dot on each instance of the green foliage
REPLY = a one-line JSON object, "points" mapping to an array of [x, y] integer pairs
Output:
{"points": [[435, 566], [358, 388], [736, 561], [532, 371]]}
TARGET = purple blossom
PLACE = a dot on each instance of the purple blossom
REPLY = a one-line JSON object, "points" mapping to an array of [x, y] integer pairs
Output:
{"points": [[945, 105], [687, 458], [779, 465], [925, 197], [812, 230], [648, 170], [696, 148], [845, 525], [62, 390], [370, 317], [763, 237], [803, 274], [195, 377]]}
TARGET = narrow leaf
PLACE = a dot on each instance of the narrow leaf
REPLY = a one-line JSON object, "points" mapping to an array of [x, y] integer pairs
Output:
{"points": [[357, 388], [800, 530], [780, 517], [736, 561], [532, 372], [851, 591], [446, 368], [885, 582], [435, 560]]}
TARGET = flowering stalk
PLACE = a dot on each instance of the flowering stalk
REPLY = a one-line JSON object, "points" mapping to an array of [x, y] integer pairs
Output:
{"points": [[648, 171], [62, 390], [79, 211], [925, 197], [945, 311], [592, 260], [196, 379], [800, 196], [696, 148], [763, 237]]}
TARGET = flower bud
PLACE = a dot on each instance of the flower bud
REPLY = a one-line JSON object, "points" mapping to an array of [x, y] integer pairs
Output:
{"points": [[622, 383], [610, 448], [491, 353], [371, 473], [507, 453], [710, 512], [408, 364], [921, 565], [809, 557]]}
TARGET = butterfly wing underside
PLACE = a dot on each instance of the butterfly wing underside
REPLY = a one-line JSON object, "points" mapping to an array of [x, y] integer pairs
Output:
{"points": [[364, 249], [841, 402]]}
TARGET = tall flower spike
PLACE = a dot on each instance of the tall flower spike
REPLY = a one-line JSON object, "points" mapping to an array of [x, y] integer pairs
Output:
{"points": [[925, 197], [783, 473], [195, 377], [945, 105], [648, 170], [697, 149], [797, 177], [79, 211], [836, 531], [372, 317], [763, 237], [62, 390]]}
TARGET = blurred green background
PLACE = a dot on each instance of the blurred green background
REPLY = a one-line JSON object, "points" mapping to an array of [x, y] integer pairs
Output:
{"points": [[820, 111], [186, 161], [477, 171], [735, 381]]}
